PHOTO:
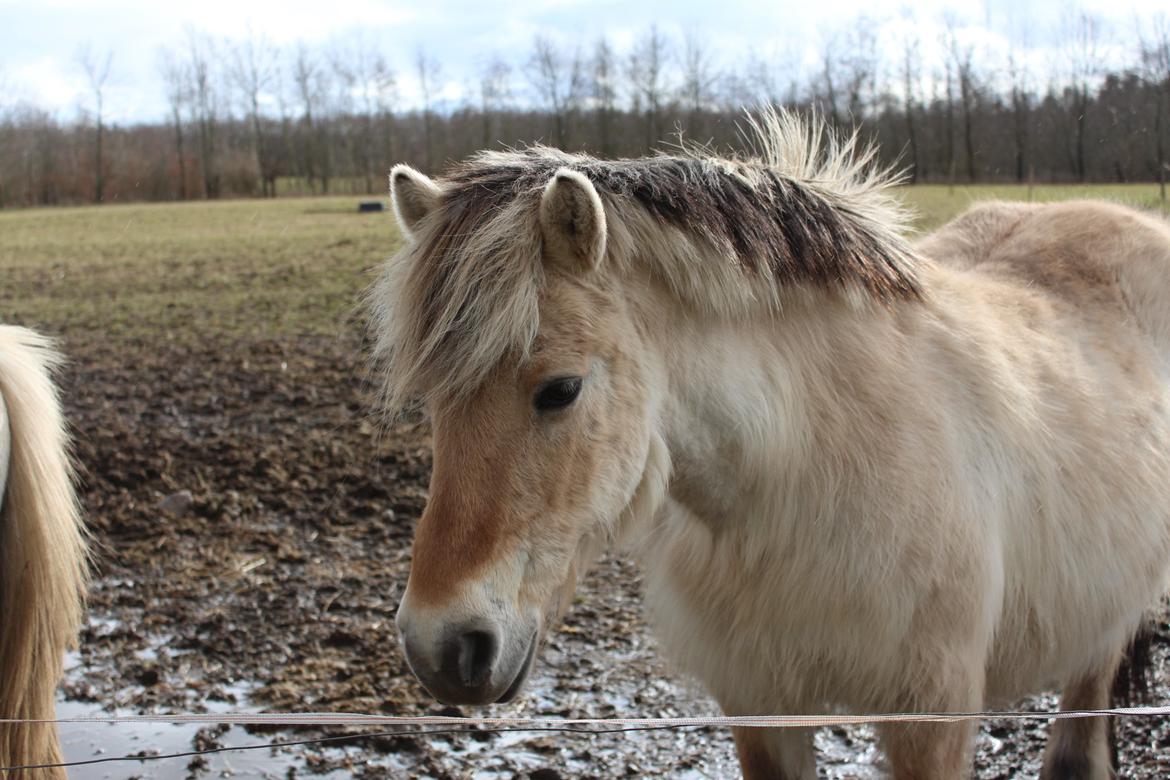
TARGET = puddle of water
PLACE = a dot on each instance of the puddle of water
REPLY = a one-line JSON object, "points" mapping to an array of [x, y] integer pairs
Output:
{"points": [[86, 741], [96, 741], [849, 754]]}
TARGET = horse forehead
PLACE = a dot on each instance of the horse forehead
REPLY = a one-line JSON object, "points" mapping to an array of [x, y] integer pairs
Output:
{"points": [[571, 320]]}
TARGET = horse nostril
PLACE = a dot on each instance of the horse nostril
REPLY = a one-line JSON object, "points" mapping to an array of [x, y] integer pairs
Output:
{"points": [[476, 652]]}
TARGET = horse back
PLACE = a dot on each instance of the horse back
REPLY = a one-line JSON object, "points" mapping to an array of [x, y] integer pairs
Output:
{"points": [[1058, 319], [1103, 261]]}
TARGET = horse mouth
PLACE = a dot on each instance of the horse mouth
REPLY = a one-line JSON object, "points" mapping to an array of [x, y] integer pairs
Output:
{"points": [[522, 673]]}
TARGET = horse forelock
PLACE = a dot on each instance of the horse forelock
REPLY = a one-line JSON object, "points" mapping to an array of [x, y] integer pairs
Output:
{"points": [[808, 210]]}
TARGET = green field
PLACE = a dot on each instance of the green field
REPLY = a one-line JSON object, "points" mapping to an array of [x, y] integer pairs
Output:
{"points": [[231, 268], [262, 267]]}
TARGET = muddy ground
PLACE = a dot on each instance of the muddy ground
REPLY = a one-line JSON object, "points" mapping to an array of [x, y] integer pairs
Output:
{"points": [[274, 586]]}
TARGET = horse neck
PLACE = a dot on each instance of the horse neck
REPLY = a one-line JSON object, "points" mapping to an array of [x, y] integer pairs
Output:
{"points": [[757, 411]]}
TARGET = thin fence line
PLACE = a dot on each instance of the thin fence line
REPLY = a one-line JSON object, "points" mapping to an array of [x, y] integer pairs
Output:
{"points": [[442, 724], [299, 742], [715, 721]]}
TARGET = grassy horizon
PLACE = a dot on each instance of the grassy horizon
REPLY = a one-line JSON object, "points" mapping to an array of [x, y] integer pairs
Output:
{"points": [[934, 204], [275, 267], [224, 268]]}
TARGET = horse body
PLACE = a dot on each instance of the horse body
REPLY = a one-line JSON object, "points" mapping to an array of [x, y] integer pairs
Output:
{"points": [[974, 489], [977, 451], [42, 551], [881, 479]]}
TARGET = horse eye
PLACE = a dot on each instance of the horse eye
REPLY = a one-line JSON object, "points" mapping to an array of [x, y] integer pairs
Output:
{"points": [[557, 394]]}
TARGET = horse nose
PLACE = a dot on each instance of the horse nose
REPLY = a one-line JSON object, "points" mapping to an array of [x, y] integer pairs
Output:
{"points": [[457, 661], [469, 656]]}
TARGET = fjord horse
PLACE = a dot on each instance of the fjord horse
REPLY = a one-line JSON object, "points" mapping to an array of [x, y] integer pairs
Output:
{"points": [[860, 474], [42, 552]]}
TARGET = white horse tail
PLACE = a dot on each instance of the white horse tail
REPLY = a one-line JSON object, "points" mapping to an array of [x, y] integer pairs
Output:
{"points": [[43, 559]]}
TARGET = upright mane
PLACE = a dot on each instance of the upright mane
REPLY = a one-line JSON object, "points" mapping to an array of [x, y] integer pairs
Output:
{"points": [[727, 234]]}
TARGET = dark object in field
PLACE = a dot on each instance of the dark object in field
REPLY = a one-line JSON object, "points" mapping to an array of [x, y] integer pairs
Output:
{"points": [[371, 205]]}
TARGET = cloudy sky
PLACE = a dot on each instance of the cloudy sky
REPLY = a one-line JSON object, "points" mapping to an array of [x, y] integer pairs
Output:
{"points": [[40, 40]]}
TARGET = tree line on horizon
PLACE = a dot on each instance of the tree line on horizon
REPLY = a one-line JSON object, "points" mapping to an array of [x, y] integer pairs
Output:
{"points": [[248, 119]]}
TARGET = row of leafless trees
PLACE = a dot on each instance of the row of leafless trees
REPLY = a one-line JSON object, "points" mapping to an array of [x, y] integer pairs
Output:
{"points": [[249, 119]]}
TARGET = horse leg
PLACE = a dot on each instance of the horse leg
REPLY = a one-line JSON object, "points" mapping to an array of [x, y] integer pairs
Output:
{"points": [[921, 751], [1078, 748], [775, 754], [938, 751]]}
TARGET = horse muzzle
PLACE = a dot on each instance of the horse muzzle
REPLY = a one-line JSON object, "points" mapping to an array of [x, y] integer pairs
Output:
{"points": [[477, 661]]}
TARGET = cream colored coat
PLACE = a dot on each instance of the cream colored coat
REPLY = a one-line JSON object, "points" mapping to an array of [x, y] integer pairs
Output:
{"points": [[882, 478]]}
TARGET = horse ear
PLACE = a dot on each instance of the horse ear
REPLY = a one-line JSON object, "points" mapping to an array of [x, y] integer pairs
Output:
{"points": [[414, 196], [572, 220]]}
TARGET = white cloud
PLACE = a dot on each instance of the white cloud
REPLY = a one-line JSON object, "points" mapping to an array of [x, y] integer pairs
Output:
{"points": [[46, 83], [287, 21], [38, 40]]}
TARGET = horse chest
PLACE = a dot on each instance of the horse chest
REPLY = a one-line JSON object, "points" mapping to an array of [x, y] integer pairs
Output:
{"points": [[770, 625]]}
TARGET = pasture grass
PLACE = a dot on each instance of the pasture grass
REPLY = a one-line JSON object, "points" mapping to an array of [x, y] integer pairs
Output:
{"points": [[221, 269], [284, 267]]}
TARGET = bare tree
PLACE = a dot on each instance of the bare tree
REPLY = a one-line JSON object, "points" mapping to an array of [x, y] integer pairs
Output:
{"points": [[768, 80], [344, 144], [368, 88], [429, 73], [860, 65], [176, 81], [204, 106], [331, 97], [1084, 57], [494, 92], [846, 86], [253, 73], [603, 92], [304, 69], [330, 112], [949, 118], [309, 79], [911, 73], [1155, 47], [647, 66], [830, 79], [97, 73], [384, 90], [559, 83], [8, 174], [759, 85], [284, 148], [961, 65], [699, 80], [1021, 95]]}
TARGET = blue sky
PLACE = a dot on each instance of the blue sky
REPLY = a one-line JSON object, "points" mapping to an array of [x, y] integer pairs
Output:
{"points": [[39, 40]]}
